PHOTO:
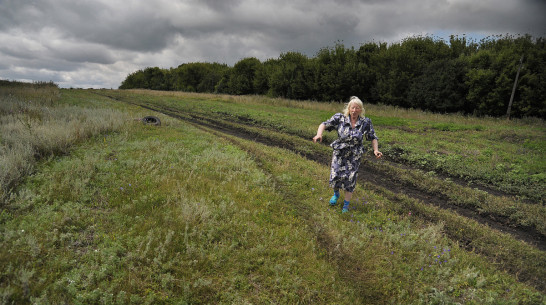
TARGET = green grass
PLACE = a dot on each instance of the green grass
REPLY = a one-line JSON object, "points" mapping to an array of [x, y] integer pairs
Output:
{"points": [[177, 214], [507, 155], [163, 217], [435, 151]]}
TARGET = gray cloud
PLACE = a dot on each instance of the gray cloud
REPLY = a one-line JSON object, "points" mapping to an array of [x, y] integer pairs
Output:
{"points": [[98, 43]]}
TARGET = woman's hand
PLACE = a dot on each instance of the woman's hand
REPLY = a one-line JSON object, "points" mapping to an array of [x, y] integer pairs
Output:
{"points": [[376, 151], [320, 130]]}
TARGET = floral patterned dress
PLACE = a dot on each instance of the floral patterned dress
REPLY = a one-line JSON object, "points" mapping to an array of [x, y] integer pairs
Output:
{"points": [[348, 149]]}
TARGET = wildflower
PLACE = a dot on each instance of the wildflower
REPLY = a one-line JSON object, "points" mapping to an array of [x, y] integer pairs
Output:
{"points": [[312, 188], [409, 213]]}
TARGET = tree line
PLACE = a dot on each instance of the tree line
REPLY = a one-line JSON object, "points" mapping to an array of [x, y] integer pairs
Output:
{"points": [[422, 72]]}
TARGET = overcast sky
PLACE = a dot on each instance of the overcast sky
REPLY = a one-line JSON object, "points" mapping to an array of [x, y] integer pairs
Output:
{"points": [[84, 43]]}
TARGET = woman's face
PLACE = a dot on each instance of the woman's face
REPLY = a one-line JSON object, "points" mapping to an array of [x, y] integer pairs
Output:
{"points": [[355, 110]]}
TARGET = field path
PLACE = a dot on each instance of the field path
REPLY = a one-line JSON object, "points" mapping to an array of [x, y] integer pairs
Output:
{"points": [[371, 176]]}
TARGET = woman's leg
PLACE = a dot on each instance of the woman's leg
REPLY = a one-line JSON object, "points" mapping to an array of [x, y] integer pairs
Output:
{"points": [[348, 196], [333, 200]]}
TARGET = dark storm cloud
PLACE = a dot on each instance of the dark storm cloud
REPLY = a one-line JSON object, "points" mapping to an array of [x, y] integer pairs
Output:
{"points": [[221, 6], [115, 25], [98, 43]]}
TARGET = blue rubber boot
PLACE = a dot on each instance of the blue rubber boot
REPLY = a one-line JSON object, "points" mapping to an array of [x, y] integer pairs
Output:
{"points": [[333, 200], [345, 206]]}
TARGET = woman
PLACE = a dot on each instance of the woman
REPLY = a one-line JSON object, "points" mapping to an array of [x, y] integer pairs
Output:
{"points": [[352, 127]]}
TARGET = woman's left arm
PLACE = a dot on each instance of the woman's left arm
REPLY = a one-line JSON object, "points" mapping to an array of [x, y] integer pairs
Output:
{"points": [[376, 152]]}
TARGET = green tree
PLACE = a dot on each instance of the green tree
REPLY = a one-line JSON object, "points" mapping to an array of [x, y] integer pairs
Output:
{"points": [[530, 98], [334, 69], [155, 78], [441, 87], [198, 77], [289, 78], [134, 80], [420, 72], [402, 62], [366, 74], [241, 78], [492, 73]]}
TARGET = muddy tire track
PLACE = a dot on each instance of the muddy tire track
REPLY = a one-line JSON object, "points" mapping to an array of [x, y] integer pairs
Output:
{"points": [[347, 264], [401, 193], [367, 174], [375, 180]]}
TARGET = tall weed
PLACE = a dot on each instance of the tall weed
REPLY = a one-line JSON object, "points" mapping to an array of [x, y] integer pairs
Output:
{"points": [[33, 126]]}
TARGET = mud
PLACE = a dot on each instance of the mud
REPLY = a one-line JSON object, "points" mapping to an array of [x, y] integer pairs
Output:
{"points": [[377, 179], [372, 176], [385, 184]]}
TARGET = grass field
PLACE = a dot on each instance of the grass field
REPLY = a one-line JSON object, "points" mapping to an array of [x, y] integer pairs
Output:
{"points": [[226, 203]]}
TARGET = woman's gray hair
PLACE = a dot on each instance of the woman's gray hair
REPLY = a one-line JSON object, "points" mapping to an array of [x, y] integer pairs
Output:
{"points": [[353, 100]]}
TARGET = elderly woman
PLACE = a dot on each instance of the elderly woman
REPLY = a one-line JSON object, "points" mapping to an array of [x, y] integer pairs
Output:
{"points": [[352, 127]]}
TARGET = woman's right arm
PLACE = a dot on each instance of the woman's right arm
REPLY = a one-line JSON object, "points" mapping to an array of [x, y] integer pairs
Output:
{"points": [[319, 133]]}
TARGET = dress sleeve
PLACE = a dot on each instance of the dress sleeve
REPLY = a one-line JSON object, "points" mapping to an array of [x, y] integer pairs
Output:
{"points": [[369, 131], [333, 122]]}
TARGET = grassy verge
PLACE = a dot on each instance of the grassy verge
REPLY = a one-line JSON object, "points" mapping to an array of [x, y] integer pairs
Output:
{"points": [[516, 212], [175, 214], [505, 155], [35, 125], [161, 215], [380, 247], [172, 214], [506, 251]]}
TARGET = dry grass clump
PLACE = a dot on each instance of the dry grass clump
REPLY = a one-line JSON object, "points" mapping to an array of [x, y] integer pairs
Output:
{"points": [[34, 125]]}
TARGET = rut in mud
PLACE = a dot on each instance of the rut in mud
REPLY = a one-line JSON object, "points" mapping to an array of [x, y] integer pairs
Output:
{"points": [[371, 176], [394, 189], [375, 178]]}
